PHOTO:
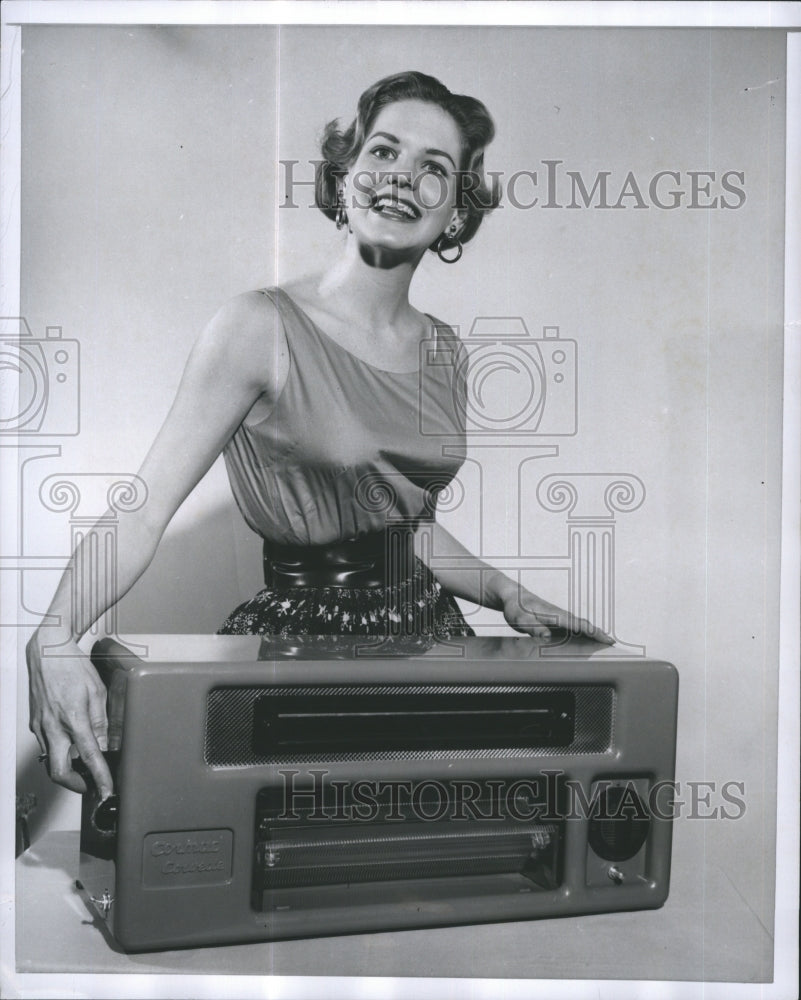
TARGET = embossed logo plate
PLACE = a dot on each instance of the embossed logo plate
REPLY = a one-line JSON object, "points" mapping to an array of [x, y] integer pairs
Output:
{"points": [[187, 857]]}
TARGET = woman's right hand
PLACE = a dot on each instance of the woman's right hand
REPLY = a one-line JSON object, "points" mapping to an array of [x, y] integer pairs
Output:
{"points": [[68, 708]]}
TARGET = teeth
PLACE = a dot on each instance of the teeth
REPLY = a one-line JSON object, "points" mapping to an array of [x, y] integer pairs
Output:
{"points": [[397, 206]]}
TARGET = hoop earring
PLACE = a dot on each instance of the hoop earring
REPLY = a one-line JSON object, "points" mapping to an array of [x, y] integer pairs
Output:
{"points": [[341, 216], [446, 242]]}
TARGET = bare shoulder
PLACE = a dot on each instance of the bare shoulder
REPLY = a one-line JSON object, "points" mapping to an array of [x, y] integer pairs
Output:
{"points": [[248, 318], [246, 335]]}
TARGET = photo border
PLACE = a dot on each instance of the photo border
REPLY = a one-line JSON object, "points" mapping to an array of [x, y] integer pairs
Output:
{"points": [[781, 16]]}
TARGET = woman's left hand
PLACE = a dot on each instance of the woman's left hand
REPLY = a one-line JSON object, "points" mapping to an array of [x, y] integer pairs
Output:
{"points": [[531, 615]]}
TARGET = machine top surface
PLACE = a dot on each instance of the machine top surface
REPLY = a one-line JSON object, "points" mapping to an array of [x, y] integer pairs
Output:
{"points": [[186, 648]]}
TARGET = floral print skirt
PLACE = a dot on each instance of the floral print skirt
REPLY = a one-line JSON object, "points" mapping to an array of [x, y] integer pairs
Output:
{"points": [[415, 606]]}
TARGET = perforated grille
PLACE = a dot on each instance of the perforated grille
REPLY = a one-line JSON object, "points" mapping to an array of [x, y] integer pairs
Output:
{"points": [[229, 723]]}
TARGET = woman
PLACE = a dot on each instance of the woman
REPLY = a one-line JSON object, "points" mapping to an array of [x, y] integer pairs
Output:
{"points": [[331, 431]]}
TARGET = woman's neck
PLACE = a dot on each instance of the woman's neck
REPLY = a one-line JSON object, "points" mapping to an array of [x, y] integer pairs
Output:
{"points": [[375, 291]]}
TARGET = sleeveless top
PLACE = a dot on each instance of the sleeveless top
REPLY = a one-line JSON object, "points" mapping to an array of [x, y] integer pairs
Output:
{"points": [[347, 446]]}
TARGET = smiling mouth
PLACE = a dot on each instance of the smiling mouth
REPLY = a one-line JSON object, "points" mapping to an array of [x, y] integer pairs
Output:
{"points": [[393, 208]]}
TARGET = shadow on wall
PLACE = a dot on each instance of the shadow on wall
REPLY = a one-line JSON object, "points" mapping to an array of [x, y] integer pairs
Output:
{"points": [[198, 576]]}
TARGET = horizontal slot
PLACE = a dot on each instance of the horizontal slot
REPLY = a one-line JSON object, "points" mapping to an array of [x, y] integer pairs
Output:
{"points": [[373, 852], [311, 723]]}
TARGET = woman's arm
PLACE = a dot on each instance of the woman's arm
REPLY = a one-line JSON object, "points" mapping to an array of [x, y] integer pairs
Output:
{"points": [[469, 577], [239, 356]]}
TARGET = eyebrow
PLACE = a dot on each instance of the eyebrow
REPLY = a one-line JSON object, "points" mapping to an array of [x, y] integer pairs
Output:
{"points": [[429, 152]]}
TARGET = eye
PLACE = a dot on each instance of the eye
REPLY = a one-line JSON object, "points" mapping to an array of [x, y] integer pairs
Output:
{"points": [[383, 153], [433, 167]]}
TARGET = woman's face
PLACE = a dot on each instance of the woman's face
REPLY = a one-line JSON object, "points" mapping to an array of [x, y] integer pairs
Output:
{"points": [[400, 194]]}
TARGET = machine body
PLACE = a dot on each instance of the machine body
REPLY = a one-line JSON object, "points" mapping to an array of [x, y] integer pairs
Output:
{"points": [[299, 788]]}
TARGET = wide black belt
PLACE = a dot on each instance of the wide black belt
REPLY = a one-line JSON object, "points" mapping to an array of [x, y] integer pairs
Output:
{"points": [[379, 559]]}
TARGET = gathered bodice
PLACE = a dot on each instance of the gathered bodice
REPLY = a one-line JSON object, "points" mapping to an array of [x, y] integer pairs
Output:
{"points": [[348, 446]]}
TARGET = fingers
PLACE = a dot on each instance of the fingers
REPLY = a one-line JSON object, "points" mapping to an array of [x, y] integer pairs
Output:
{"points": [[542, 617], [114, 728], [531, 615], [98, 722], [84, 726], [35, 727], [58, 747], [547, 620], [88, 729], [91, 755], [35, 720], [59, 762], [555, 617], [68, 707], [532, 628], [583, 626]]}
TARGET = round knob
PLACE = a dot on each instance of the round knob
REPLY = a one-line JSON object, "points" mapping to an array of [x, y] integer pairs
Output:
{"points": [[104, 816]]}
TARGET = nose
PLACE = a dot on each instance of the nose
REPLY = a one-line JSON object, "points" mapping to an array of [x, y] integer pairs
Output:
{"points": [[401, 178]]}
